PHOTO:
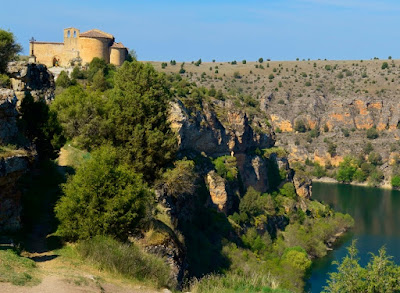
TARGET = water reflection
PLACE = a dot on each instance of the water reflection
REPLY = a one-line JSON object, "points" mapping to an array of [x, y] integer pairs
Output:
{"points": [[377, 223]]}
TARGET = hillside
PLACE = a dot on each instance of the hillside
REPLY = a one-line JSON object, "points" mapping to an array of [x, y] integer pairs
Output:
{"points": [[319, 110]]}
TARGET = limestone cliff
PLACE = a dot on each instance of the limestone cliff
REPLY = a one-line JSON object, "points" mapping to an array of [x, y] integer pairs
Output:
{"points": [[17, 154], [33, 78]]}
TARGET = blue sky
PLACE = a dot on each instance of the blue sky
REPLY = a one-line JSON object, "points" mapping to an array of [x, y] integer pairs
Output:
{"points": [[222, 30]]}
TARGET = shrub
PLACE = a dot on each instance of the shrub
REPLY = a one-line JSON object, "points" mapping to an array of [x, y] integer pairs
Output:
{"points": [[63, 80], [375, 158], [308, 83], [260, 60], [346, 170], [237, 75], [300, 126], [385, 65], [271, 76], [368, 148], [226, 167], [180, 179], [77, 73], [244, 61], [4, 80], [372, 133], [164, 64], [172, 62], [126, 259], [395, 181], [104, 197]]}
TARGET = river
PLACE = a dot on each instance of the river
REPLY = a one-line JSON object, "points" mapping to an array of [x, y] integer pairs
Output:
{"points": [[376, 214]]}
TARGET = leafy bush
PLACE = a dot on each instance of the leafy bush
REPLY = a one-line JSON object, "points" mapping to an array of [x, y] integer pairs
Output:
{"points": [[346, 170], [372, 133], [180, 179], [77, 73], [260, 60], [4, 80], [395, 181], [385, 65], [300, 126], [226, 167], [63, 80], [104, 197], [375, 158], [126, 259]]}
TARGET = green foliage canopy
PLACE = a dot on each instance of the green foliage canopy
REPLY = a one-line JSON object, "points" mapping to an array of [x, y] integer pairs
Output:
{"points": [[8, 49], [104, 197]]}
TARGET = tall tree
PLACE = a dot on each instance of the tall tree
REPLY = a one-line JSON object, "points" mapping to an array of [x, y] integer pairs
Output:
{"points": [[8, 48]]}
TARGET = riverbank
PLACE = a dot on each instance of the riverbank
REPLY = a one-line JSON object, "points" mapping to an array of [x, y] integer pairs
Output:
{"points": [[384, 185]]}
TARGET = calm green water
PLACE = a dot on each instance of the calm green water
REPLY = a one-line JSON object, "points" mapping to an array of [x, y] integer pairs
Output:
{"points": [[376, 213]]}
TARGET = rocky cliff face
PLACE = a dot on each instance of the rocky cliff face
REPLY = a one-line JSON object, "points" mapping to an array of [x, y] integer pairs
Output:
{"points": [[205, 133], [33, 78], [16, 153]]}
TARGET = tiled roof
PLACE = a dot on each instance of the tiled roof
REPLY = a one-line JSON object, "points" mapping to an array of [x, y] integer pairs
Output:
{"points": [[96, 34], [118, 46]]}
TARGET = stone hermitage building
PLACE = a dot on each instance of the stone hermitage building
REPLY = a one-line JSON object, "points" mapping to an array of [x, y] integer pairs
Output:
{"points": [[79, 48]]}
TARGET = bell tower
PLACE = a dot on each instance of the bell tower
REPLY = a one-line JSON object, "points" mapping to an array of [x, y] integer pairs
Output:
{"points": [[71, 39]]}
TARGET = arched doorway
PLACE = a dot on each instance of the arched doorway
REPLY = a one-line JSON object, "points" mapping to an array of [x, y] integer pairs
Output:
{"points": [[56, 61]]}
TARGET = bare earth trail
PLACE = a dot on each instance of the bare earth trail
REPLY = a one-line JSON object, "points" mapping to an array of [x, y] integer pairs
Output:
{"points": [[59, 273]]}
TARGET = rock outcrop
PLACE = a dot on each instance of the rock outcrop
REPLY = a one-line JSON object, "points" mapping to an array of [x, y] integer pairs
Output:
{"points": [[16, 152], [33, 78], [11, 169]]}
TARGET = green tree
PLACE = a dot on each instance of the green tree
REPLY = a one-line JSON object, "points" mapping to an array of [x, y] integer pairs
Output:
{"points": [[63, 80], [385, 65], [8, 49], [395, 181], [99, 81], [346, 170], [77, 73], [83, 116], [380, 275], [104, 197], [349, 276], [260, 60], [95, 65], [138, 109]]}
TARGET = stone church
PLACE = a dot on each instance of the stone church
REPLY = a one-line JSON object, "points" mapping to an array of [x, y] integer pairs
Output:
{"points": [[79, 48]]}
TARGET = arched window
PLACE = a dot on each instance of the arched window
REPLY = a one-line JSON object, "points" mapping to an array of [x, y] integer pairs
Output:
{"points": [[68, 34], [74, 34]]}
